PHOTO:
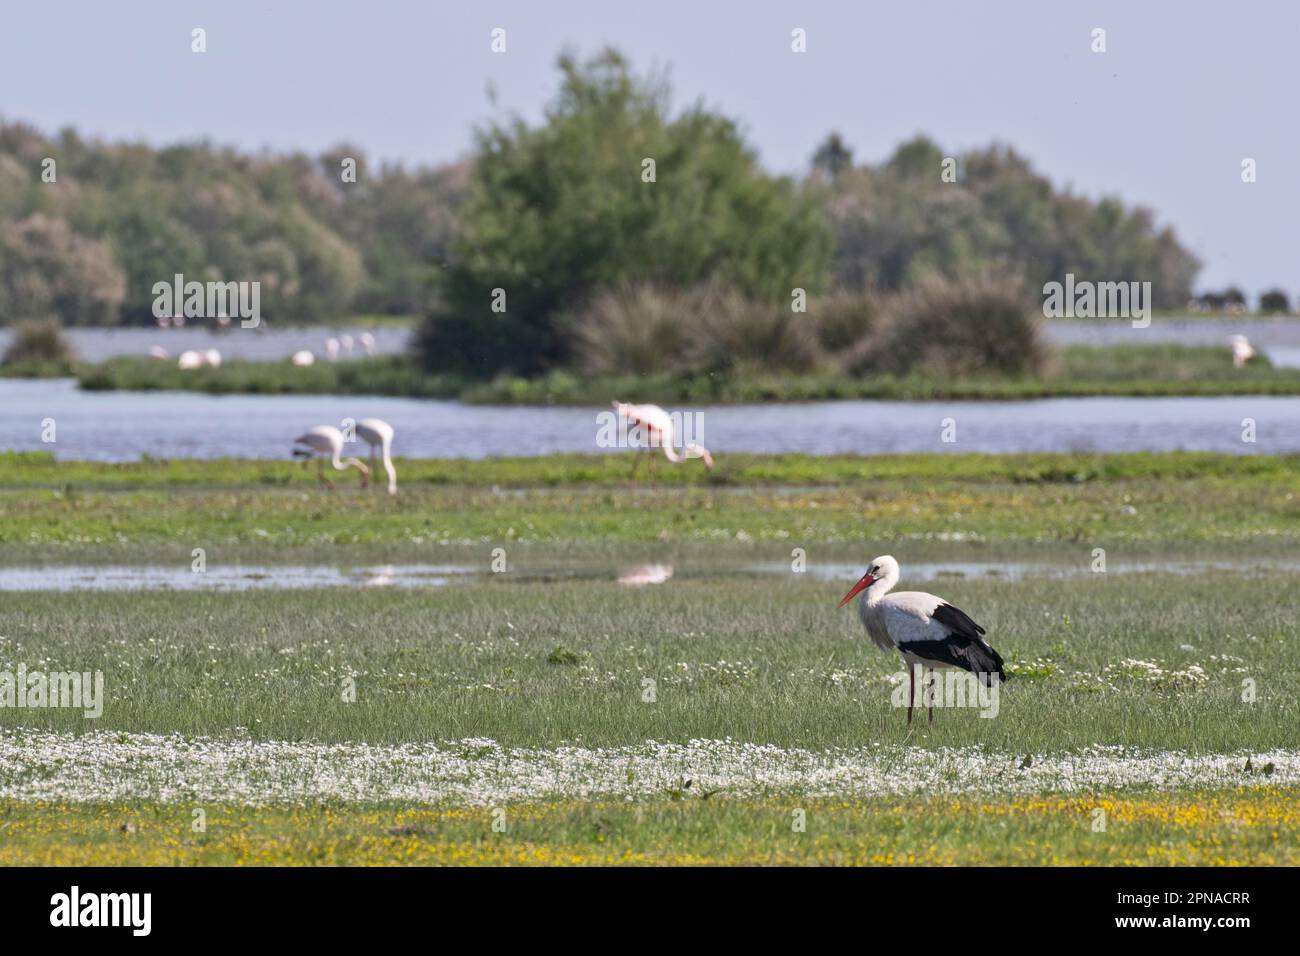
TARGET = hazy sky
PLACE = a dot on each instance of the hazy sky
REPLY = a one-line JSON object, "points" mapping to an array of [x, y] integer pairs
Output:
{"points": [[1185, 91]]}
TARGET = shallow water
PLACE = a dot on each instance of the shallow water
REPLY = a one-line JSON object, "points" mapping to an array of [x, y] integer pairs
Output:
{"points": [[282, 577], [1278, 338], [123, 426], [265, 344]]}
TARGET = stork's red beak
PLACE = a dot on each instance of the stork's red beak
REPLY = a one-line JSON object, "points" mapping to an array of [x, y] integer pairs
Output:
{"points": [[865, 582]]}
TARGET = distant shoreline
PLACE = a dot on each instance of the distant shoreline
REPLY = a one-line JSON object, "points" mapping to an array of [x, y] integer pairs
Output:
{"points": [[1079, 371]]}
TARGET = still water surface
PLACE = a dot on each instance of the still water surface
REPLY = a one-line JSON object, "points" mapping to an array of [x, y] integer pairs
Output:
{"points": [[122, 426]]}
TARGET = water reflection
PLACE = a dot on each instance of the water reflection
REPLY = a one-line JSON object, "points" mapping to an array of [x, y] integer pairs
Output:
{"points": [[640, 575]]}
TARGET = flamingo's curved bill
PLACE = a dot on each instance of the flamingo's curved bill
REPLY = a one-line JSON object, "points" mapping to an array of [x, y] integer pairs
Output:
{"points": [[865, 582]]}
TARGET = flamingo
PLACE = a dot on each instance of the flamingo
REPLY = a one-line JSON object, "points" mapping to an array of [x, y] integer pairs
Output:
{"points": [[213, 358], [377, 433], [926, 630], [1242, 350], [332, 348], [190, 359], [324, 440], [658, 427], [158, 352], [367, 342], [303, 358]]}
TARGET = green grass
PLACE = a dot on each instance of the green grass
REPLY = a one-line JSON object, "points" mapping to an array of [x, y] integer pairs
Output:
{"points": [[946, 505], [1149, 370], [38, 368], [765, 659], [554, 651], [1250, 825], [33, 470]]}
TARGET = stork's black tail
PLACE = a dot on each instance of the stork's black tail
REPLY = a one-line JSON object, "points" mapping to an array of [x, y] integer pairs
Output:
{"points": [[984, 662]]}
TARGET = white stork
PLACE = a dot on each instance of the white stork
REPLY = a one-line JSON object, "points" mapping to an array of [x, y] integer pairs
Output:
{"points": [[657, 425], [926, 630]]}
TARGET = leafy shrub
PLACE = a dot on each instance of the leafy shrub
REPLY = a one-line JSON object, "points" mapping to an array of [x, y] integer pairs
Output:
{"points": [[40, 343]]}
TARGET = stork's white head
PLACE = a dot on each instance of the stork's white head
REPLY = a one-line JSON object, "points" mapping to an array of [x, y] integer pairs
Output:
{"points": [[883, 572]]}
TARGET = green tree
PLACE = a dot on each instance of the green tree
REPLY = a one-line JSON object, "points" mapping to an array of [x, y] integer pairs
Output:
{"points": [[558, 212], [48, 270], [899, 223], [832, 156], [1274, 300]]}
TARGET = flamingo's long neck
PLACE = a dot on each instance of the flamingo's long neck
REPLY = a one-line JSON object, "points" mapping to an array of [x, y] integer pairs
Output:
{"points": [[386, 451], [690, 451], [343, 464]]}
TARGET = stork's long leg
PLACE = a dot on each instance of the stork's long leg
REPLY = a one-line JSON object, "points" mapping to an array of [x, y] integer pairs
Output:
{"points": [[930, 701], [911, 690], [328, 484]]}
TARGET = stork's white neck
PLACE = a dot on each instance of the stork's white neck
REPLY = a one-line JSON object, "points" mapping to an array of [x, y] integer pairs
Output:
{"points": [[879, 588]]}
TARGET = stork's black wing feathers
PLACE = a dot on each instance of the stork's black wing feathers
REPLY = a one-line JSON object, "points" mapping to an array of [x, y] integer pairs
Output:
{"points": [[958, 621], [965, 646], [960, 651]]}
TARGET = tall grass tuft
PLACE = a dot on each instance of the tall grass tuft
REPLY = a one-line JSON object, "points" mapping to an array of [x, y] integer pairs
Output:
{"points": [[739, 334], [960, 327], [847, 325], [637, 330], [647, 331]]}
